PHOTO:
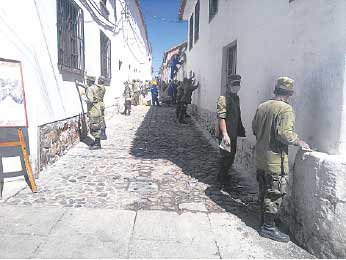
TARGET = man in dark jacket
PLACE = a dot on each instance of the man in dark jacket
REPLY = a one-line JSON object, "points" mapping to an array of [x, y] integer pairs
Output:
{"points": [[231, 126]]}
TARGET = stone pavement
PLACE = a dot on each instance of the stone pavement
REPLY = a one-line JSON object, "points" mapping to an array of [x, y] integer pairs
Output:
{"points": [[149, 193]]}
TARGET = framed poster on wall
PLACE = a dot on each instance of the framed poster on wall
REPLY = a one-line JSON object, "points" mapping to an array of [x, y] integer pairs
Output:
{"points": [[12, 97]]}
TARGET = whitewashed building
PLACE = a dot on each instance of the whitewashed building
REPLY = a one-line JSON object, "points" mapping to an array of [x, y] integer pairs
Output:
{"points": [[58, 42], [262, 40]]}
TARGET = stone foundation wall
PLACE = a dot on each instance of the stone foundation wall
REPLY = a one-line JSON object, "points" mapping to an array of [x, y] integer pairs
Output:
{"points": [[317, 205], [56, 138]]}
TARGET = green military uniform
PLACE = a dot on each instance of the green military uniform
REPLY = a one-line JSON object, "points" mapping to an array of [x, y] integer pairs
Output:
{"points": [[128, 98], [185, 98], [102, 92], [180, 94], [136, 92], [228, 108], [94, 96], [273, 127]]}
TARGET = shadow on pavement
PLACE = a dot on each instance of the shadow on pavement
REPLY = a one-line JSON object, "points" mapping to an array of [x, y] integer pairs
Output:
{"points": [[160, 136]]}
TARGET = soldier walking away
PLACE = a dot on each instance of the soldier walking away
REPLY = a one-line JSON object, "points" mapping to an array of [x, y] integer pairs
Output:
{"points": [[154, 94], [128, 98], [101, 84], [230, 127], [188, 87], [93, 94], [273, 127]]}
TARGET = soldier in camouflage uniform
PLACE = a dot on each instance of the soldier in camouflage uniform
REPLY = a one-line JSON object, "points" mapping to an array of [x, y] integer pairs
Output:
{"points": [[231, 126], [273, 127], [93, 97], [101, 84], [188, 87], [128, 98], [180, 93]]}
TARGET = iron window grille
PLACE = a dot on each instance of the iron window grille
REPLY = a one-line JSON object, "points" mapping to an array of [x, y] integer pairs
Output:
{"points": [[231, 60], [197, 8], [103, 7], [105, 54], [191, 33], [70, 30], [213, 8]]}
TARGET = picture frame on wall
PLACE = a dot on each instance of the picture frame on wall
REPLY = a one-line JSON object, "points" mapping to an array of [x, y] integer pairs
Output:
{"points": [[13, 113]]}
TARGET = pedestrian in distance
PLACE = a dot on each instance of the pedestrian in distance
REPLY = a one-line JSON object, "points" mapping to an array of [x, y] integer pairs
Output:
{"points": [[230, 127], [101, 84], [154, 95], [171, 90], [184, 97], [273, 126], [127, 94]]}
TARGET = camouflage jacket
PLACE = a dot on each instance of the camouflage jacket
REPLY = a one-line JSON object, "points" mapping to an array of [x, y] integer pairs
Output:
{"points": [[273, 127], [94, 99], [188, 89], [228, 108], [127, 93]]}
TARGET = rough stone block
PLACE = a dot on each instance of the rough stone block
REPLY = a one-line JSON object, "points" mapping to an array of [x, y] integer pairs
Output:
{"points": [[317, 206]]}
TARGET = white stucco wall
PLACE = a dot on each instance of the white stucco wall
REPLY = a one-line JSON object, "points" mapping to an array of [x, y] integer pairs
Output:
{"points": [[29, 34], [304, 39]]}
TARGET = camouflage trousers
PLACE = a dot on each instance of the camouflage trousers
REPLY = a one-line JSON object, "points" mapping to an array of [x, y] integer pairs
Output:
{"points": [[103, 123], [226, 161], [95, 124], [127, 107], [181, 111], [272, 189]]}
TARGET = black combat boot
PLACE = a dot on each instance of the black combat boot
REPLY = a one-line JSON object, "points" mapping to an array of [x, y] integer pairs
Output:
{"points": [[96, 145], [103, 135], [269, 230]]}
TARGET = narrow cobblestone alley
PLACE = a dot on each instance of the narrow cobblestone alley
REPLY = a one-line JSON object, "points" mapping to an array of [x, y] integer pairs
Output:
{"points": [[155, 179]]}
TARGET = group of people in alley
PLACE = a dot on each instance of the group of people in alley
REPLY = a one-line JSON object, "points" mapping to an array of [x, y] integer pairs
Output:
{"points": [[273, 126]]}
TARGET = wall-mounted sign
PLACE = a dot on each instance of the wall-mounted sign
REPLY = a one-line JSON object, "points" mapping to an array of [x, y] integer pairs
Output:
{"points": [[12, 97]]}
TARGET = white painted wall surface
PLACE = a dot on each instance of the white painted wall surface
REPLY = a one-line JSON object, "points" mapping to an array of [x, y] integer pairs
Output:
{"points": [[29, 34], [304, 39]]}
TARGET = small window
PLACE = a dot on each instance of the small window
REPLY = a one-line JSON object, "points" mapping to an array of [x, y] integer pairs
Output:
{"points": [[70, 30], [231, 60], [197, 7], [191, 33], [105, 54], [213, 8]]}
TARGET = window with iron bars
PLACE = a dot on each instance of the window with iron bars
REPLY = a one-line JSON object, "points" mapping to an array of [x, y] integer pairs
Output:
{"points": [[191, 33], [213, 7], [105, 52], [197, 7], [70, 29], [231, 60]]}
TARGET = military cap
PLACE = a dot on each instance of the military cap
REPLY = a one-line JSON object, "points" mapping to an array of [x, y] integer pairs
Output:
{"points": [[285, 84], [102, 78], [91, 78], [234, 79]]}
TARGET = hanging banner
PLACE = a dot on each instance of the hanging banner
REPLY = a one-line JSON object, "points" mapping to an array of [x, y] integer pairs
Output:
{"points": [[12, 97]]}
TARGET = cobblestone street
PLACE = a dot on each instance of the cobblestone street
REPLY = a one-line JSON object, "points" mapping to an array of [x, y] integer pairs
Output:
{"points": [[150, 164]]}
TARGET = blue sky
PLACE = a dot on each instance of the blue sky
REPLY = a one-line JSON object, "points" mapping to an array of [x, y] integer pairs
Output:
{"points": [[161, 17]]}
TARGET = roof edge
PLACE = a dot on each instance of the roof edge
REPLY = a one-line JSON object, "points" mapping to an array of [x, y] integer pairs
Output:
{"points": [[182, 9], [144, 25]]}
